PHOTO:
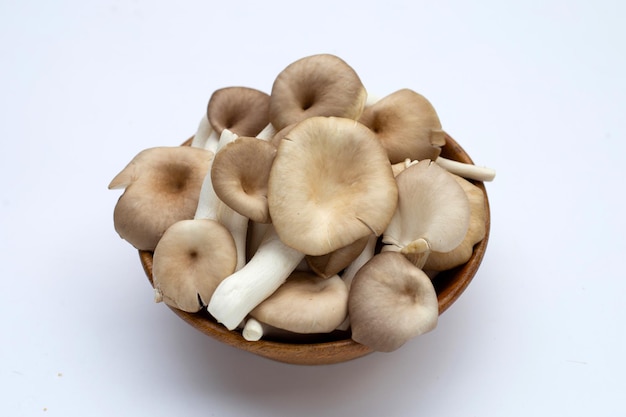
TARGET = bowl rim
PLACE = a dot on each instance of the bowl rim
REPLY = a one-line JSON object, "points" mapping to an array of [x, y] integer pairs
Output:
{"points": [[449, 285]]}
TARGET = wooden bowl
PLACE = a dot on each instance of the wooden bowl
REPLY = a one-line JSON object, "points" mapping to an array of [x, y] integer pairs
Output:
{"points": [[337, 346]]}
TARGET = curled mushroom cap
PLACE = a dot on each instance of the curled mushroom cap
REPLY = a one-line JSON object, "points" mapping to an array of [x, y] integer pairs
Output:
{"points": [[161, 187], [330, 185], [190, 261], [242, 110], [432, 215], [390, 302], [305, 303], [440, 261], [318, 85], [407, 125], [332, 263], [240, 173]]}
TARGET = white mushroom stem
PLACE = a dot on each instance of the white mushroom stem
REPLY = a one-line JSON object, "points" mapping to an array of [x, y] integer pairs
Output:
{"points": [[211, 207], [268, 269], [253, 330], [468, 171], [267, 133], [205, 137]]}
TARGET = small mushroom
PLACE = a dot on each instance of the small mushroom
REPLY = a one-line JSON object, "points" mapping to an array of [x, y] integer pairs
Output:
{"points": [[305, 303], [242, 110], [240, 173], [189, 262], [317, 85], [407, 125], [432, 214], [391, 301], [161, 187], [441, 261]]}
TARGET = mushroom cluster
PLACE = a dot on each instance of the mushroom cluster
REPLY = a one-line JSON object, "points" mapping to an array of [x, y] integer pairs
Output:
{"points": [[312, 209]]}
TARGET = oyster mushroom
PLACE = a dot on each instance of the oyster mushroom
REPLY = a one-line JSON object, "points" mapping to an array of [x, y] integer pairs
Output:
{"points": [[317, 85], [161, 186], [242, 110], [433, 213], [330, 185], [391, 301], [407, 125], [441, 261], [305, 303], [240, 173]]}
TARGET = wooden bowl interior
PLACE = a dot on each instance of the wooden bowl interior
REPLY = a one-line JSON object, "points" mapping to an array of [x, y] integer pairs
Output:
{"points": [[338, 347]]}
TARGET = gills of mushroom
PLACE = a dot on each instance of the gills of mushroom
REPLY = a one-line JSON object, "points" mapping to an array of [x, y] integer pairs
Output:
{"points": [[330, 185], [161, 186], [391, 301], [433, 213], [441, 261]]}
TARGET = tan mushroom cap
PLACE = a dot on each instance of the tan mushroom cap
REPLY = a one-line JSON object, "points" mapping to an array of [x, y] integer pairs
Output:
{"points": [[330, 185], [317, 85], [305, 303], [240, 173], [407, 125], [440, 261], [242, 110], [162, 186], [391, 301], [432, 215], [190, 261]]}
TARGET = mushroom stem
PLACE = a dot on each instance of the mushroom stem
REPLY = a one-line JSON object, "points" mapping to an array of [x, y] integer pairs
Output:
{"points": [[203, 132], [268, 269], [211, 207], [267, 133], [253, 330], [467, 170]]}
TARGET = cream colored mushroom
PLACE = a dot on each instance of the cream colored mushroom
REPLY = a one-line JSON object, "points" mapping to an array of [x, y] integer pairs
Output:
{"points": [[330, 185], [161, 186], [334, 262], [391, 301], [441, 261], [432, 215]]}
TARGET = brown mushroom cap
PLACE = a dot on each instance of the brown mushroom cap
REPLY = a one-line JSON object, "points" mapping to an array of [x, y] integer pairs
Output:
{"points": [[441, 261], [242, 110], [162, 186], [331, 184], [407, 125], [390, 302], [318, 85], [240, 174], [190, 261], [332, 263], [305, 303]]}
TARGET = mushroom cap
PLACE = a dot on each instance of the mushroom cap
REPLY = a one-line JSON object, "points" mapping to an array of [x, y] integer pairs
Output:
{"points": [[332, 263], [240, 173], [190, 261], [407, 125], [317, 85], [390, 302], [331, 184], [162, 186], [440, 261], [305, 303], [242, 110], [433, 211]]}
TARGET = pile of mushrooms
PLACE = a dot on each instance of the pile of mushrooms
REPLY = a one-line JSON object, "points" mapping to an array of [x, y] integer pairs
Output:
{"points": [[309, 210]]}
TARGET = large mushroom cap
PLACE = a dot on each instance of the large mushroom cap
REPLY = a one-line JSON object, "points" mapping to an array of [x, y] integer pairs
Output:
{"points": [[190, 261], [162, 186], [318, 85], [407, 125], [305, 303], [331, 184], [390, 302], [242, 110], [240, 173]]}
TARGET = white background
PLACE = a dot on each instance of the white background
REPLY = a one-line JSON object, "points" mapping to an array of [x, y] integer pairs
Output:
{"points": [[534, 89]]}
